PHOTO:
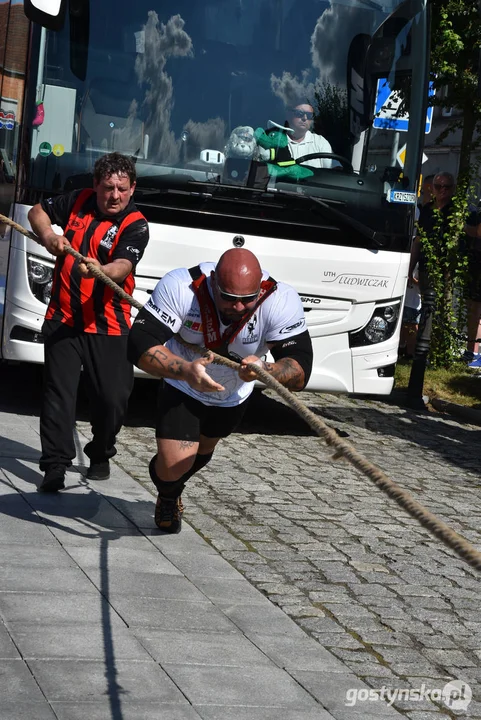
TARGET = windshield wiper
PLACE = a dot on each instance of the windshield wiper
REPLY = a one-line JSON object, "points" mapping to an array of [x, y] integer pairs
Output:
{"points": [[376, 238]]}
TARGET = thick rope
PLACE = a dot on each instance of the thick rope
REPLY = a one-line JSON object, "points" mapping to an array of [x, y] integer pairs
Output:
{"points": [[96, 272], [343, 449]]}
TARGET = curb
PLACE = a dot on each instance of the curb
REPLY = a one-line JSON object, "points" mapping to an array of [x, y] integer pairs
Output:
{"points": [[401, 399], [465, 413]]}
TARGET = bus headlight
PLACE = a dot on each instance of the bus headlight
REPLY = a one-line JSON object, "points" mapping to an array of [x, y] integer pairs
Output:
{"points": [[380, 327], [47, 292], [40, 273]]}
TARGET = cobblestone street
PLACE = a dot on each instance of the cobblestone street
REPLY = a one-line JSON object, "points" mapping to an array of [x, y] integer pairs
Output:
{"points": [[335, 553]]}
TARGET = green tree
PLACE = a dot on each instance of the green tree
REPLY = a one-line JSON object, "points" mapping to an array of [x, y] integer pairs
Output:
{"points": [[455, 43], [447, 266], [332, 116]]}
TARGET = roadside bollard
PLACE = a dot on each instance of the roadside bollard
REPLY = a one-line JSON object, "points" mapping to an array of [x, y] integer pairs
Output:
{"points": [[421, 352]]}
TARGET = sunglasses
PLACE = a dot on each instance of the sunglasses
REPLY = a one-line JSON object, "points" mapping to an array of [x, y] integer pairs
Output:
{"points": [[439, 186], [302, 113], [244, 299]]}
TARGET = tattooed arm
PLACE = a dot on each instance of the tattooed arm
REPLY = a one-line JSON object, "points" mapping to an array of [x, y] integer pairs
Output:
{"points": [[146, 349], [292, 366], [160, 362], [287, 371]]}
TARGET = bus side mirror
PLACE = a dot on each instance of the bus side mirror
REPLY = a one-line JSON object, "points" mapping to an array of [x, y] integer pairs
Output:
{"points": [[371, 58], [50, 14], [79, 11], [357, 93]]}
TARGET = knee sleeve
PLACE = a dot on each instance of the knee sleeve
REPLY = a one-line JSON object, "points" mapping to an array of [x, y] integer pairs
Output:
{"points": [[199, 462], [174, 488]]}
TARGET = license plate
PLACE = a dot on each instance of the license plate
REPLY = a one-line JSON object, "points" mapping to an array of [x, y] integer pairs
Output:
{"points": [[400, 196]]}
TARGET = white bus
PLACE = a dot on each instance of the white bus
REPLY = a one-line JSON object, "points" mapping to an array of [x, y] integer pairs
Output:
{"points": [[181, 85]]}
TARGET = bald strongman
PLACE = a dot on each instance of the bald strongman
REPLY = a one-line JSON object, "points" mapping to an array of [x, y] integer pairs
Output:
{"points": [[237, 310]]}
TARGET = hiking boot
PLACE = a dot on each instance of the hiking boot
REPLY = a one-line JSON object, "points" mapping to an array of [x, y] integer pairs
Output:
{"points": [[99, 471], [54, 479], [168, 514]]}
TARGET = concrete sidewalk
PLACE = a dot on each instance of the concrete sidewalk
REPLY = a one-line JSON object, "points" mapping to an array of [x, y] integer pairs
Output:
{"points": [[104, 617]]}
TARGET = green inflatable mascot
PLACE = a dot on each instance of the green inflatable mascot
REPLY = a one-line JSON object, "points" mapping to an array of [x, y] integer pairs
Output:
{"points": [[274, 150]]}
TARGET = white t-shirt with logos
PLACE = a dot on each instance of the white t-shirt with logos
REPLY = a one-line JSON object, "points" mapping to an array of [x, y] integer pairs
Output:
{"points": [[311, 143], [175, 304]]}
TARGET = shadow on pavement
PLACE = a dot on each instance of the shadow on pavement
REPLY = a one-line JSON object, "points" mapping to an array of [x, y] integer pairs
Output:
{"points": [[87, 510], [21, 387]]}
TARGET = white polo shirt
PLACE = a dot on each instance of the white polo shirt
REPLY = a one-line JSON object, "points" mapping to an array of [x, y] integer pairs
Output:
{"points": [[311, 143]]}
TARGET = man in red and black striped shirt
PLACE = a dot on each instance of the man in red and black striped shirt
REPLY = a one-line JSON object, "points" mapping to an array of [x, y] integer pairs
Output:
{"points": [[87, 324]]}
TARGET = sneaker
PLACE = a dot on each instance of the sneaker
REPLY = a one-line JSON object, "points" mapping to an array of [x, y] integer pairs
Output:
{"points": [[99, 471], [54, 479], [168, 514], [476, 363], [469, 356]]}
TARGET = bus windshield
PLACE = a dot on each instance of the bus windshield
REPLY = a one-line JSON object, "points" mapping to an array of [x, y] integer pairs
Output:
{"points": [[237, 92]]}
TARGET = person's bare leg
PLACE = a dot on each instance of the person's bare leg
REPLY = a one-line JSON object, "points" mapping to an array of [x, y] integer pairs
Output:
{"points": [[412, 332], [176, 461], [174, 458]]}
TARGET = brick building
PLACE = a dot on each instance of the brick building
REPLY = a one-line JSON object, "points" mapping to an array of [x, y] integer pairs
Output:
{"points": [[14, 38]]}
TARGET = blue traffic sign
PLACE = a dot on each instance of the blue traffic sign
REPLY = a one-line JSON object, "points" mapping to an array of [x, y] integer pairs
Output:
{"points": [[386, 109]]}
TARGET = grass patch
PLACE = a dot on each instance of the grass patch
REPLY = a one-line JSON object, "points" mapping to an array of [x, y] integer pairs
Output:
{"points": [[458, 385]]}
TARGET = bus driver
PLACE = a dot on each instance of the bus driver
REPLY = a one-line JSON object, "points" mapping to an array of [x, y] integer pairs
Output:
{"points": [[302, 141]]}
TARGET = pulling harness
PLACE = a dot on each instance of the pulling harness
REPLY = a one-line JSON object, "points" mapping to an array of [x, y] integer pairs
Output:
{"points": [[213, 339]]}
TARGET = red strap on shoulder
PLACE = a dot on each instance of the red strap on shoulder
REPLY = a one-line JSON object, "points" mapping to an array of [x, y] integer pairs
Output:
{"points": [[210, 321]]}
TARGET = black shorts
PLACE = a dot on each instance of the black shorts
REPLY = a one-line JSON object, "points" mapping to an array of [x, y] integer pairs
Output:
{"points": [[181, 417]]}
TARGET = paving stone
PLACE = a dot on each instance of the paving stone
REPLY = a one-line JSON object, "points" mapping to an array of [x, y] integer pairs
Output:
{"points": [[312, 534], [88, 641], [338, 694], [56, 608], [242, 686], [38, 580], [21, 710], [421, 715], [253, 619], [338, 640], [261, 713], [122, 708], [167, 613], [184, 647], [8, 651], [17, 682], [83, 680]]}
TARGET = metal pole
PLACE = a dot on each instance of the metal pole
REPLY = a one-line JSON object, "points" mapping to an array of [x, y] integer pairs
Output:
{"points": [[423, 342], [394, 148]]}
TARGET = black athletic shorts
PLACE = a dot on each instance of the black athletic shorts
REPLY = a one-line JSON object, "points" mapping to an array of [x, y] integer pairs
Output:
{"points": [[181, 417]]}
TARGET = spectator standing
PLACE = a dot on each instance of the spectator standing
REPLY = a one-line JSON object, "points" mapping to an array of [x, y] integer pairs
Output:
{"points": [[443, 191], [87, 324]]}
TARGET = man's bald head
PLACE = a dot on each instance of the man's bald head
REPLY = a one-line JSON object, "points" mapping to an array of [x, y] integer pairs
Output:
{"points": [[238, 272]]}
